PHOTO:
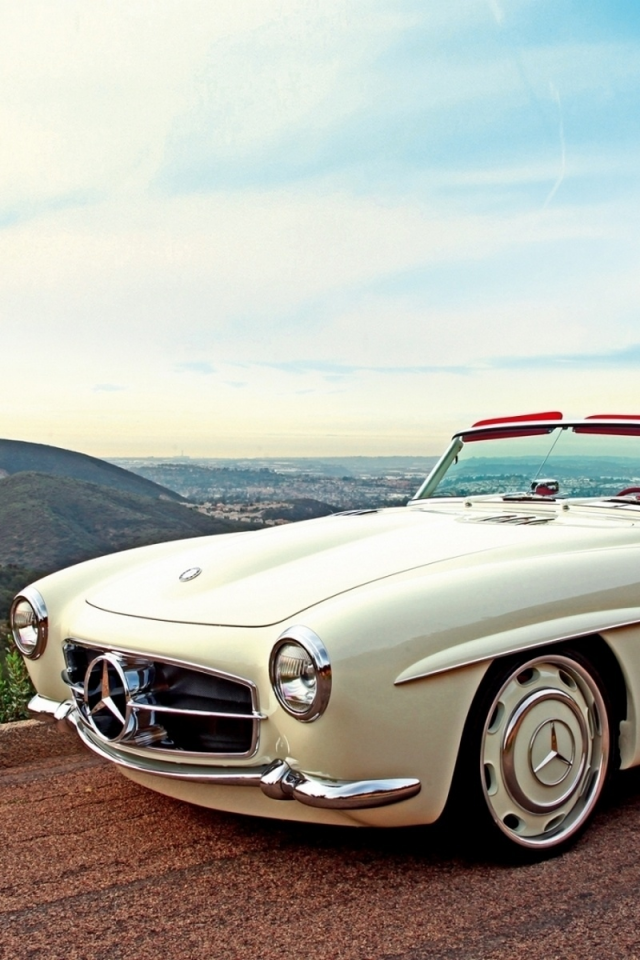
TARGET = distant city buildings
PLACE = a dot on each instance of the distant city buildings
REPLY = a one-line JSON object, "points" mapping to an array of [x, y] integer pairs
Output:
{"points": [[271, 492]]}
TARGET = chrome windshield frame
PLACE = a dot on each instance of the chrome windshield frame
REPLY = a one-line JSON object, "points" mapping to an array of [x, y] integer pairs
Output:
{"points": [[502, 430]]}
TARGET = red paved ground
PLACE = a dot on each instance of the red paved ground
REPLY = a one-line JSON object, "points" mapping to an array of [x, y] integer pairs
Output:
{"points": [[95, 867]]}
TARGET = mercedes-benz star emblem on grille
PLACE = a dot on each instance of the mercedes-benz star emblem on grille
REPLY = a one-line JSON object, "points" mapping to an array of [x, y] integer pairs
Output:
{"points": [[106, 698], [191, 573]]}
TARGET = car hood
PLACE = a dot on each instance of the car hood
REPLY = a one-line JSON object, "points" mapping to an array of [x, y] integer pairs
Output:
{"points": [[267, 576]]}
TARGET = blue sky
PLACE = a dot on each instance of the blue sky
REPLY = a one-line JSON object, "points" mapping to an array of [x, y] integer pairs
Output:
{"points": [[315, 228]]}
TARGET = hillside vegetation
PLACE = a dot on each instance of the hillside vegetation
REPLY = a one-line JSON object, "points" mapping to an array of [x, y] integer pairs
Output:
{"points": [[18, 456], [12, 578], [48, 522], [58, 507]]}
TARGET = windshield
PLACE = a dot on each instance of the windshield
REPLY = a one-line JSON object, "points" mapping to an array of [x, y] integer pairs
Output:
{"points": [[565, 461]]}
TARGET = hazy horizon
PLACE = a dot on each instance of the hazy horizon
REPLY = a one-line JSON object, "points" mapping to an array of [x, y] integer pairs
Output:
{"points": [[302, 229]]}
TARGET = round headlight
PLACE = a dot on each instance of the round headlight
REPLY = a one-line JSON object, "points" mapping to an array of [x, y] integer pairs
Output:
{"points": [[301, 673], [28, 619]]}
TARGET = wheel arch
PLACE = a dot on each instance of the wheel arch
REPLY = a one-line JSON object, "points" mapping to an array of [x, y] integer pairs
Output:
{"points": [[592, 646], [593, 651]]}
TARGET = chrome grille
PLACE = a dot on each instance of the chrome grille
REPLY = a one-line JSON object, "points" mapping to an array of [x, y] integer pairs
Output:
{"points": [[164, 706]]}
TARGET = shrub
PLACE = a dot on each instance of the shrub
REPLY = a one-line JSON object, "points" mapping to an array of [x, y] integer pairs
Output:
{"points": [[15, 686]]}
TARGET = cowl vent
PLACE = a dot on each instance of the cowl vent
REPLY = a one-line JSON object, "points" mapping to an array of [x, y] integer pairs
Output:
{"points": [[514, 518]]}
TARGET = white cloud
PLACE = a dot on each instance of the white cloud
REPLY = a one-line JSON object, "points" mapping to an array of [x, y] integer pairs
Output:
{"points": [[90, 91], [221, 188]]}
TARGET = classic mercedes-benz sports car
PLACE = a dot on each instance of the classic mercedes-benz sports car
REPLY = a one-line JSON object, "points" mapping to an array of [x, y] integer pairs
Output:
{"points": [[479, 645]]}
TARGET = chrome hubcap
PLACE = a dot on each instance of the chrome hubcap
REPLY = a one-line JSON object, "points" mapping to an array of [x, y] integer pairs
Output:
{"points": [[545, 749]]}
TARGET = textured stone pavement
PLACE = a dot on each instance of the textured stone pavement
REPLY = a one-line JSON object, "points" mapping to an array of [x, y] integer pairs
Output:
{"points": [[96, 868]]}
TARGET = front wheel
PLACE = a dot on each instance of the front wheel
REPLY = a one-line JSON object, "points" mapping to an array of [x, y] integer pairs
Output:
{"points": [[542, 745]]}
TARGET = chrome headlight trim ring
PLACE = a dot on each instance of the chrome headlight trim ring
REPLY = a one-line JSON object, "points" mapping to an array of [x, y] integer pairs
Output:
{"points": [[40, 625], [314, 647]]}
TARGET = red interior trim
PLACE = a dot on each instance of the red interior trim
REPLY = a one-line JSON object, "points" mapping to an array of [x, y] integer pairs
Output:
{"points": [[505, 434], [611, 430]]}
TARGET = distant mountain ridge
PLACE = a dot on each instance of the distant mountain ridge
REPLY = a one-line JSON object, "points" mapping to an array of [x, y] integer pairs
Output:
{"points": [[20, 456], [48, 522]]}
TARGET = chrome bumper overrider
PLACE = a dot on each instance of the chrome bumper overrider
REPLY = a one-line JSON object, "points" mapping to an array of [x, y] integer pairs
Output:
{"points": [[277, 780], [280, 782]]}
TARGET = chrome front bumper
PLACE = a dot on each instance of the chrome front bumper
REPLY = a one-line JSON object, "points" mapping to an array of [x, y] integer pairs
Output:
{"points": [[277, 780]]}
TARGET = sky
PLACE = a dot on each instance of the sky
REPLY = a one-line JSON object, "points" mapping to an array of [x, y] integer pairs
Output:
{"points": [[314, 227]]}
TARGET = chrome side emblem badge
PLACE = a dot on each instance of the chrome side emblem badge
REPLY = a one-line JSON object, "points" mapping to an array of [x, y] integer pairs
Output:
{"points": [[191, 573]]}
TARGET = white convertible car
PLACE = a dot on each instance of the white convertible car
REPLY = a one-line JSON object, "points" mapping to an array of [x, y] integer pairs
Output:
{"points": [[479, 647]]}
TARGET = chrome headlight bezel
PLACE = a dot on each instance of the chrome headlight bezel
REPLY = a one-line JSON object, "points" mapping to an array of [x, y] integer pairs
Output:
{"points": [[311, 644], [34, 647]]}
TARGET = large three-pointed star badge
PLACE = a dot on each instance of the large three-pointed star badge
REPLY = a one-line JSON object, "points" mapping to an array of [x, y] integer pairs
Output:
{"points": [[552, 752], [106, 697]]}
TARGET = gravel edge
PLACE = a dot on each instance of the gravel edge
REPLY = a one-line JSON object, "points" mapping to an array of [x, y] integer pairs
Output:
{"points": [[27, 741]]}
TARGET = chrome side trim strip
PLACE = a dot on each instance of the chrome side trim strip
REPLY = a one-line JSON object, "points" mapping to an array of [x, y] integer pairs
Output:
{"points": [[280, 782], [521, 639]]}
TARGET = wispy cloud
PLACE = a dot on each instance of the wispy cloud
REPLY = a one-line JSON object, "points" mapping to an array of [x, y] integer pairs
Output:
{"points": [[563, 150], [338, 371], [202, 367], [302, 367], [625, 357], [496, 10], [612, 359]]}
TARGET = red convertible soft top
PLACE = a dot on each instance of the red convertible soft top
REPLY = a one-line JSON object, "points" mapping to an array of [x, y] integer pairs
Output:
{"points": [[624, 425]]}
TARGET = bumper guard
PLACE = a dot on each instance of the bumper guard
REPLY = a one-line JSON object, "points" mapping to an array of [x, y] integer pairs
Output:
{"points": [[277, 780]]}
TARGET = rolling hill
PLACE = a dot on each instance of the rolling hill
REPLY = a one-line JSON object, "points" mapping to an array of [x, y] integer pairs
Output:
{"points": [[19, 456], [48, 522]]}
